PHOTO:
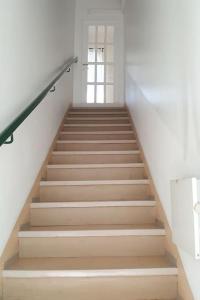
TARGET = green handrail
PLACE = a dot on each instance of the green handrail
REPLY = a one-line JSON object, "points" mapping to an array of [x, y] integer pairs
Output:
{"points": [[9, 130]]}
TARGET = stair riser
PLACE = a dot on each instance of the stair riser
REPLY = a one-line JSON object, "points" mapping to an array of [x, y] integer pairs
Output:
{"points": [[94, 193], [95, 147], [95, 159], [98, 115], [92, 216], [99, 109], [96, 128], [96, 121], [128, 288], [90, 137], [91, 246], [95, 174]]}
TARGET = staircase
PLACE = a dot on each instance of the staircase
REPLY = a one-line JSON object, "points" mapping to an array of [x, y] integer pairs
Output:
{"points": [[93, 232]]}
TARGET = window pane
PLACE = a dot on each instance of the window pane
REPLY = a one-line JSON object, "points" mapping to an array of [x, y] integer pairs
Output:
{"points": [[110, 34], [91, 34], [110, 73], [100, 94], [101, 34], [109, 94], [110, 54], [90, 93], [100, 53], [91, 54], [100, 73], [91, 73]]}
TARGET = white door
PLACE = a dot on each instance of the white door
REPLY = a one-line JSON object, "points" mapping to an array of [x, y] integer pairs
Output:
{"points": [[102, 72]]}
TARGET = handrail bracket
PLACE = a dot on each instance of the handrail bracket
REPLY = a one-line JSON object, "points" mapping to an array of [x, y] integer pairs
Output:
{"points": [[10, 141]]}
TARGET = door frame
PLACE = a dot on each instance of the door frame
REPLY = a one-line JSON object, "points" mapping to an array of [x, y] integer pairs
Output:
{"points": [[97, 17]]}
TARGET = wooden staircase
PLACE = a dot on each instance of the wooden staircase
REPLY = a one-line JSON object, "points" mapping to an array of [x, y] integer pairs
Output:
{"points": [[93, 232]]}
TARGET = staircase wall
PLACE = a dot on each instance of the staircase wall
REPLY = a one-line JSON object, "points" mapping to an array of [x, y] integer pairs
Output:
{"points": [[162, 93], [36, 38]]}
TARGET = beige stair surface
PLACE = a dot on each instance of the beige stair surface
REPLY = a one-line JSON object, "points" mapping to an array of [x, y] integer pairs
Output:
{"points": [[132, 266], [93, 212], [96, 172], [93, 240], [96, 127], [93, 157], [135, 278], [93, 231], [102, 145], [97, 135]]}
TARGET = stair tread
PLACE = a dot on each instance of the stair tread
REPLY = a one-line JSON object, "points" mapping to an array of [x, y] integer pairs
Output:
{"points": [[97, 118], [98, 125], [93, 227], [95, 182], [123, 203], [111, 152], [91, 263], [96, 141], [93, 166], [98, 132], [97, 112]]}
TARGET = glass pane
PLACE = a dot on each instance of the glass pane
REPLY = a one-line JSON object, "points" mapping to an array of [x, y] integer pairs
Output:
{"points": [[110, 34], [109, 94], [100, 73], [90, 93], [91, 34], [110, 73], [100, 94], [91, 54], [91, 73], [101, 34], [100, 54], [110, 54]]}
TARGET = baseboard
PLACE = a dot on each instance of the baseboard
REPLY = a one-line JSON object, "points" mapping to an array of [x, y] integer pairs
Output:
{"points": [[184, 289]]}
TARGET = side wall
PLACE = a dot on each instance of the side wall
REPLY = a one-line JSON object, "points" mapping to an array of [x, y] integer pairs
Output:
{"points": [[162, 92], [36, 39]]}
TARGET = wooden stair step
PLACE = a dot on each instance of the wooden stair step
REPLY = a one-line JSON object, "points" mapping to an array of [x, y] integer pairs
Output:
{"points": [[99, 109], [93, 157], [97, 132], [96, 166], [103, 118], [95, 172], [98, 142], [92, 213], [97, 190], [97, 135], [85, 278], [95, 182], [104, 145], [92, 231], [96, 127], [97, 113], [92, 240], [101, 121], [90, 266], [130, 203]]}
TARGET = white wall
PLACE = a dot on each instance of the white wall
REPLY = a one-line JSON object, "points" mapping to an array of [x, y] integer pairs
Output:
{"points": [[37, 37], [162, 91]]}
